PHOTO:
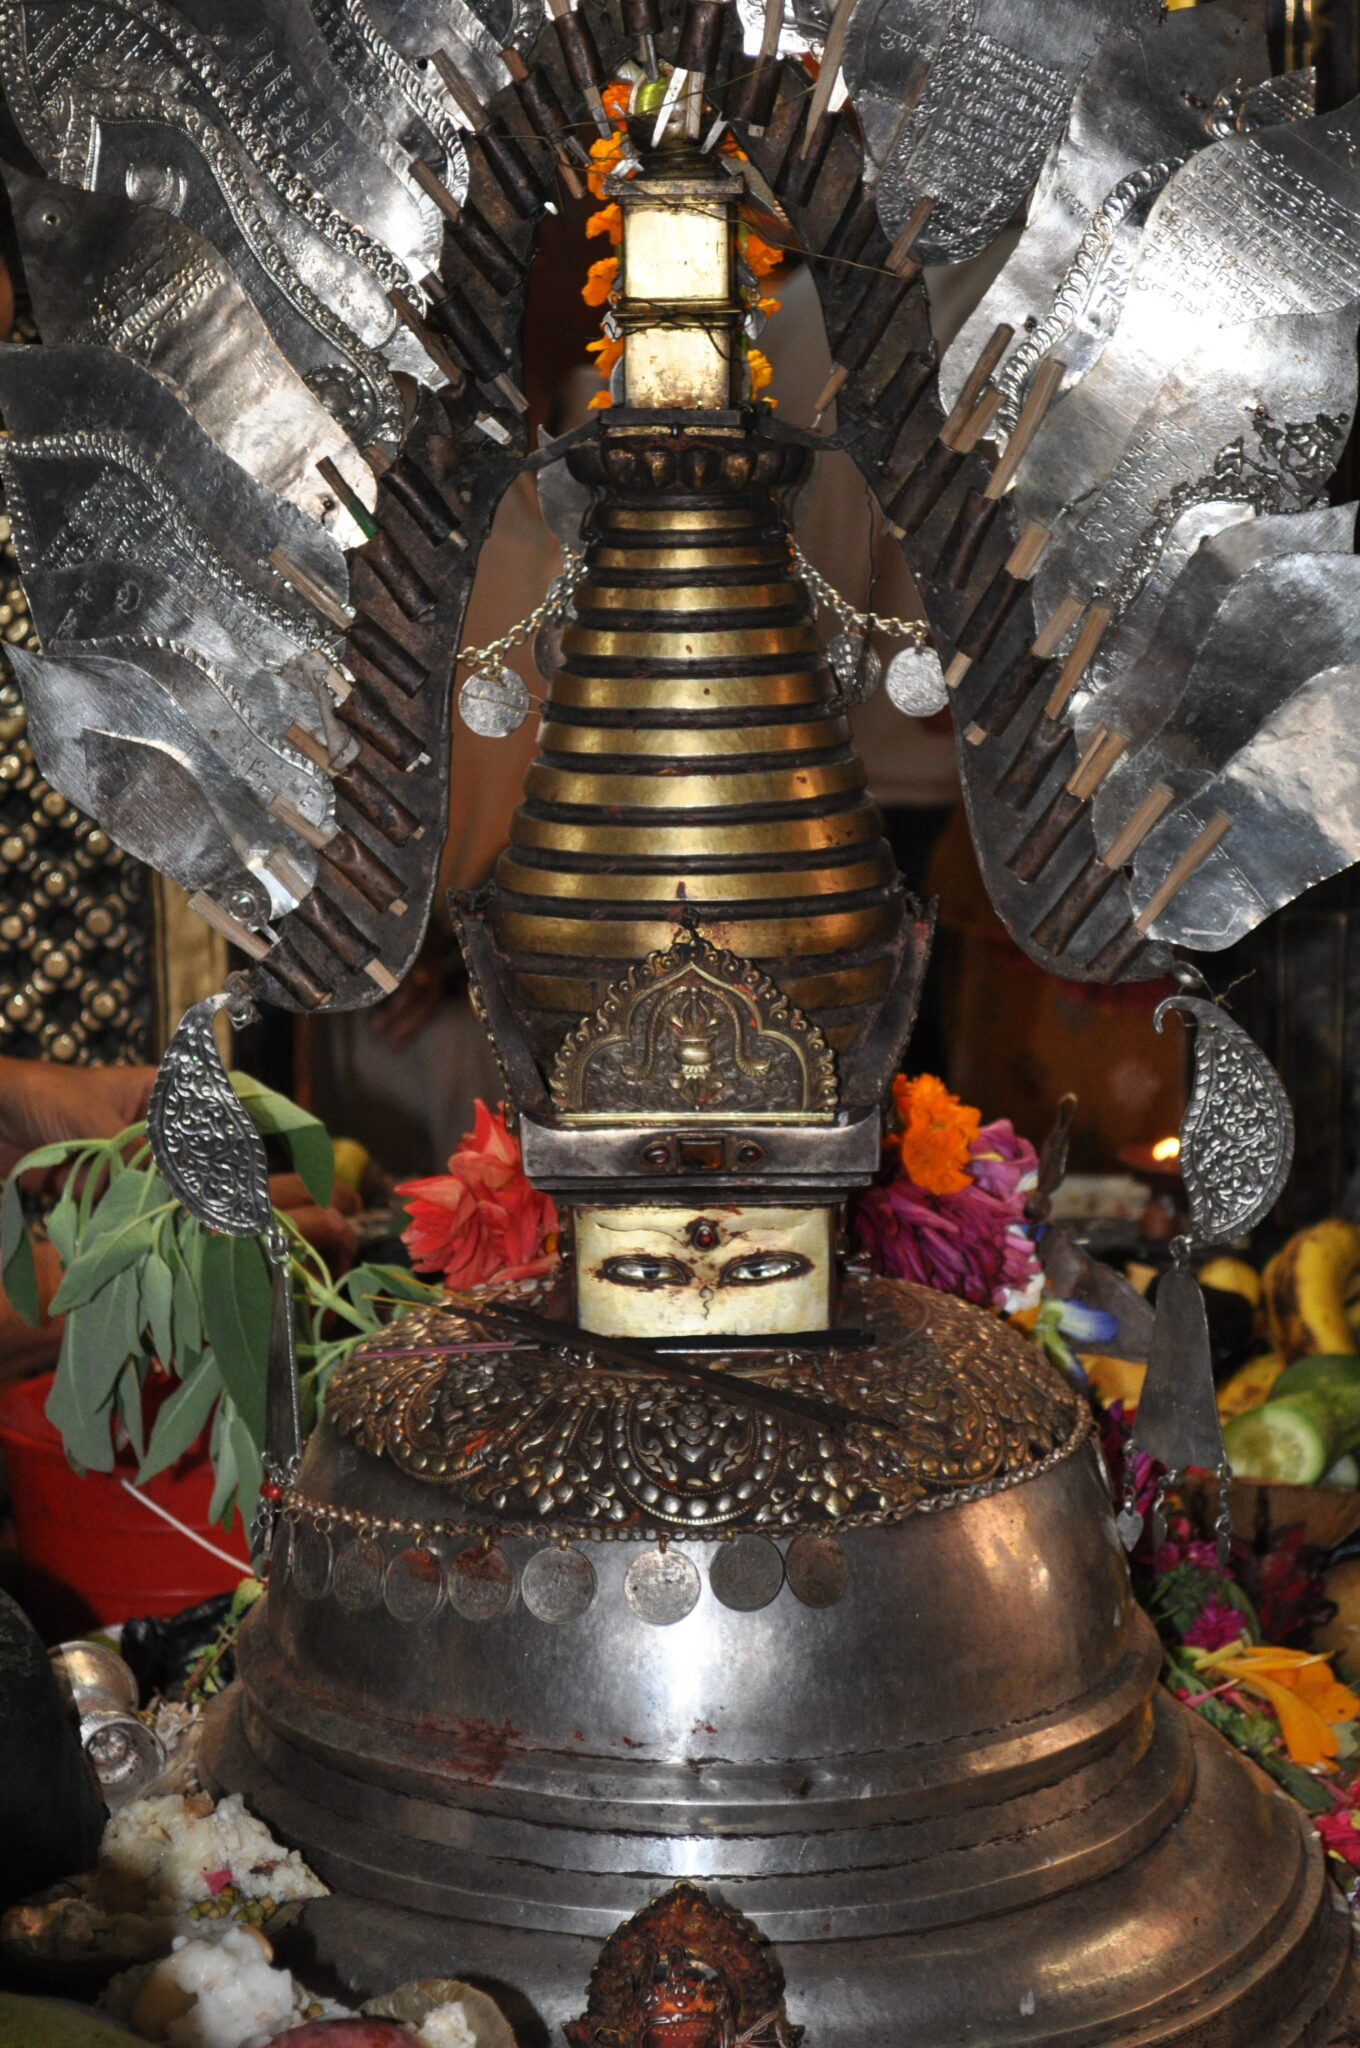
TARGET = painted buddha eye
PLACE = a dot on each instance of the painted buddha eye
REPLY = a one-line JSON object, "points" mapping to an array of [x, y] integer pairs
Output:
{"points": [[758, 1269], [644, 1269]]}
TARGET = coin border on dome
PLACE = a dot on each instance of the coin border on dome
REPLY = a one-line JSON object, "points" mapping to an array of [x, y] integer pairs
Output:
{"points": [[533, 1571], [635, 1591], [416, 1549], [726, 1552], [453, 1577], [359, 1542], [305, 1530], [800, 1580]]}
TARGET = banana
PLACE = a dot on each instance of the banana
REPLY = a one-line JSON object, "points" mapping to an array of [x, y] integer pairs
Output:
{"points": [[1250, 1385], [1233, 1276], [1305, 1290]]}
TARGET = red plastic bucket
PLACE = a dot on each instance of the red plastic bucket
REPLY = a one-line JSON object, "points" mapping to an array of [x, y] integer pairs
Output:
{"points": [[89, 1551]]}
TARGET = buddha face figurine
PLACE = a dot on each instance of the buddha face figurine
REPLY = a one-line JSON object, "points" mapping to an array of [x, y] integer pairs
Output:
{"points": [[720, 1271], [685, 2003]]}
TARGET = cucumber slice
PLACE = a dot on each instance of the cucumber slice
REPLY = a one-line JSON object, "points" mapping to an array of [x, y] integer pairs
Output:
{"points": [[1284, 1442], [1330, 1386], [1345, 1472], [1332, 1371]]}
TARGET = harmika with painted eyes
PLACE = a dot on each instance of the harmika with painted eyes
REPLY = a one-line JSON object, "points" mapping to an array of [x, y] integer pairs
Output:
{"points": [[726, 1271]]}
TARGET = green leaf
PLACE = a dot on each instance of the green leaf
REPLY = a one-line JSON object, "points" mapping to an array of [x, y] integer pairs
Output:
{"points": [[62, 1221], [188, 1292], [128, 1402], [118, 1232], [223, 1456], [157, 1305], [16, 1254], [235, 1295], [82, 1427], [249, 1471], [181, 1418], [373, 1288], [305, 1136]]}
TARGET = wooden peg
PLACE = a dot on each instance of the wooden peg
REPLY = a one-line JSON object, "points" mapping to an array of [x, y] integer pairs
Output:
{"points": [[977, 379], [1194, 857], [433, 186], [349, 498], [1040, 396], [308, 588], [1084, 649], [832, 51], [240, 935], [313, 835]]}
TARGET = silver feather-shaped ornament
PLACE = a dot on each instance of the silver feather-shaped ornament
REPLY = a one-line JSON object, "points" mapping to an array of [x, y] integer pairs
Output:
{"points": [[1237, 1143], [213, 1160]]}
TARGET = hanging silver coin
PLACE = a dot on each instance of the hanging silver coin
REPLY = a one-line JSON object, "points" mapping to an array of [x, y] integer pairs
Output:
{"points": [[493, 702], [357, 1576], [311, 1572], [413, 1585], [817, 1569], [481, 1582], [661, 1587], [746, 1573], [548, 649], [855, 665], [558, 1585], [916, 683]]}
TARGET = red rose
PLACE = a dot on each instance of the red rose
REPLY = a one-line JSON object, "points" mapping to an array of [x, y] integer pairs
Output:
{"points": [[482, 1220]]}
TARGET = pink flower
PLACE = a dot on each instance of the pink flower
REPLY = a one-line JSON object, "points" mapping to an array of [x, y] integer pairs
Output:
{"points": [[1341, 1834], [1002, 1162], [964, 1242], [1215, 1626], [483, 1220], [1203, 1556]]}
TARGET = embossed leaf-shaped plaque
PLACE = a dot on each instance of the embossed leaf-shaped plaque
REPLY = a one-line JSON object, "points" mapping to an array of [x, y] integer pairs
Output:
{"points": [[210, 1154], [1237, 1136]]}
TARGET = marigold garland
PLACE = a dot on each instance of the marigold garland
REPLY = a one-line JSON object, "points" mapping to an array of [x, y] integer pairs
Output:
{"points": [[759, 256]]}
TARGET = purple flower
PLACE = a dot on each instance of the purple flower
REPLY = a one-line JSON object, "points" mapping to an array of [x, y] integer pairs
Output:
{"points": [[968, 1242], [1001, 1162]]}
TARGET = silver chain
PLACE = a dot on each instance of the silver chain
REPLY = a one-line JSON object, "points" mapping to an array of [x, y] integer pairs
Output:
{"points": [[558, 595], [914, 630], [555, 600]]}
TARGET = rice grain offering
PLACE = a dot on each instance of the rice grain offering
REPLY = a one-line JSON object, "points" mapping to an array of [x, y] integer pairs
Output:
{"points": [[213, 1990]]}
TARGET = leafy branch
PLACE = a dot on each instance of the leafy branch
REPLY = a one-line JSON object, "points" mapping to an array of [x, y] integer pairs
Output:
{"points": [[147, 1290]]}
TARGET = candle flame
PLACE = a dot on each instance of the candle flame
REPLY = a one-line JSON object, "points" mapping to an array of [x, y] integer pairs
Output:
{"points": [[1166, 1148]]}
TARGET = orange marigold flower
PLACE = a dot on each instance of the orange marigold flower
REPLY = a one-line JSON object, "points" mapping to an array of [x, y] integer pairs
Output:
{"points": [[601, 398], [607, 151], [769, 307], [608, 350], [758, 363], [609, 222], [937, 1130], [600, 281], [616, 96], [760, 257]]}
